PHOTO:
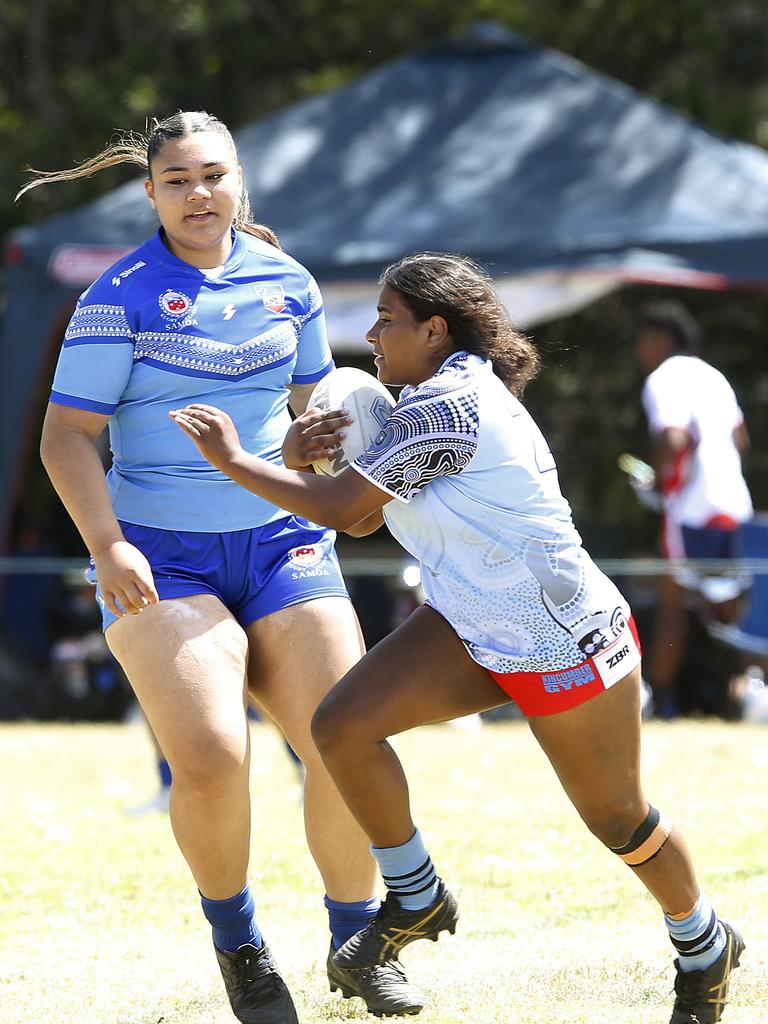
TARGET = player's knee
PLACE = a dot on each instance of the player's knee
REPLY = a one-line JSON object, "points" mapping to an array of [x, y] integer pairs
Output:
{"points": [[613, 823], [330, 727], [323, 727], [216, 763], [646, 841]]}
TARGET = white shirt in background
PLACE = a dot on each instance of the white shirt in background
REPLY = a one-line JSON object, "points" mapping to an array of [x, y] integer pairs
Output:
{"points": [[688, 394]]}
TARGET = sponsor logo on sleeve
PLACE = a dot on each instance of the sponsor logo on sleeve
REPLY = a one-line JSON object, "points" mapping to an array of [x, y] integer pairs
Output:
{"points": [[118, 278]]}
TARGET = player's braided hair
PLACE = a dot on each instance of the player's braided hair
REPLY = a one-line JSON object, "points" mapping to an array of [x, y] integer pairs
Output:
{"points": [[142, 148], [459, 290]]}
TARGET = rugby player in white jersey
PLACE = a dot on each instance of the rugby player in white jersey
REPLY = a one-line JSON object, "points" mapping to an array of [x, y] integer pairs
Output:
{"points": [[515, 608]]}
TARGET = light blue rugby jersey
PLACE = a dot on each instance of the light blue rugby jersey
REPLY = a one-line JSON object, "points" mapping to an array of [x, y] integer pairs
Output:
{"points": [[154, 333]]}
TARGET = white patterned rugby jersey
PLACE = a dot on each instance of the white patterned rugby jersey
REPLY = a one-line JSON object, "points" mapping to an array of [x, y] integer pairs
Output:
{"points": [[154, 333], [479, 505]]}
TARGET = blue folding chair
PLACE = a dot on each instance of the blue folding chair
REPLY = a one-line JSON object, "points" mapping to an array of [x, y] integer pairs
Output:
{"points": [[750, 633]]}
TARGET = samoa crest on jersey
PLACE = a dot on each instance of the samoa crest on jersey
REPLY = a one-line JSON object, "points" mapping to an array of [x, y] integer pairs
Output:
{"points": [[176, 308]]}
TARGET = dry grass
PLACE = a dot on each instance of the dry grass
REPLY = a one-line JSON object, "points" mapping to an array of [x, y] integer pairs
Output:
{"points": [[99, 921]]}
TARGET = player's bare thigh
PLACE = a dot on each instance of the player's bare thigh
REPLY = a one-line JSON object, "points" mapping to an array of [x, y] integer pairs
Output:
{"points": [[297, 654], [186, 661], [421, 673], [595, 748]]}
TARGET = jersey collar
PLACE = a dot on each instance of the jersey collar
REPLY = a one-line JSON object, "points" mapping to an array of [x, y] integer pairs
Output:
{"points": [[162, 254], [477, 362]]}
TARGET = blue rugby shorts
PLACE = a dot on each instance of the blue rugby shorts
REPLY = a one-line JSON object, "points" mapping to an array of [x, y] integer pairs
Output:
{"points": [[252, 572], [712, 541]]}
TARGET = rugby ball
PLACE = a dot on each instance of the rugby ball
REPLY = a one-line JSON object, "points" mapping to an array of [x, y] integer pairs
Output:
{"points": [[369, 404]]}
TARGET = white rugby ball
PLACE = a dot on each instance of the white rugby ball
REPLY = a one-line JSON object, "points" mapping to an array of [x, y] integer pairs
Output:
{"points": [[369, 404]]}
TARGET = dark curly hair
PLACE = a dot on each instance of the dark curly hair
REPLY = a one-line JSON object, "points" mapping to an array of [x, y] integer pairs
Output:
{"points": [[461, 291]]}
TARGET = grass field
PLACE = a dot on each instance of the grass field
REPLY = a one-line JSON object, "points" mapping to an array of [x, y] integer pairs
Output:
{"points": [[100, 924]]}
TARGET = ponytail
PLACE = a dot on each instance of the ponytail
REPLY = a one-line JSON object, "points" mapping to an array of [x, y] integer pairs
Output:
{"points": [[141, 149]]}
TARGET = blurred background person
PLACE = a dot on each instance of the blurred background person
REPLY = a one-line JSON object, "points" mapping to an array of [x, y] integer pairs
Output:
{"points": [[697, 435], [160, 802], [87, 683]]}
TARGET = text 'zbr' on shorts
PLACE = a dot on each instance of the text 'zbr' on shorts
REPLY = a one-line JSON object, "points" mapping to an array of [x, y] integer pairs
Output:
{"points": [[252, 572], [548, 693]]}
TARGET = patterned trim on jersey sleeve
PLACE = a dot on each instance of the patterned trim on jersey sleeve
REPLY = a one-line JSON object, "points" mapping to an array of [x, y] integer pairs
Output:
{"points": [[187, 354], [423, 439], [314, 307], [98, 324], [313, 354]]}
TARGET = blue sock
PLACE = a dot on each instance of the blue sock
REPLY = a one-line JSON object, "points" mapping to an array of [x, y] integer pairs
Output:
{"points": [[344, 919], [408, 872], [164, 771], [699, 938], [233, 921]]}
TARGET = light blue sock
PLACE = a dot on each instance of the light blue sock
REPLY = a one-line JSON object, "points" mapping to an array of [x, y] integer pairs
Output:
{"points": [[345, 919], [699, 938], [408, 872], [233, 921]]}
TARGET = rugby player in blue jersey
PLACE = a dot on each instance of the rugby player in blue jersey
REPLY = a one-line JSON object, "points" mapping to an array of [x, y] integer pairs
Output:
{"points": [[208, 591], [515, 608]]}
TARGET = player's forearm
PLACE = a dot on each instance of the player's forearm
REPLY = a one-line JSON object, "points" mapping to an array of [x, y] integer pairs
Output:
{"points": [[668, 449], [304, 494], [73, 464], [366, 526]]}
